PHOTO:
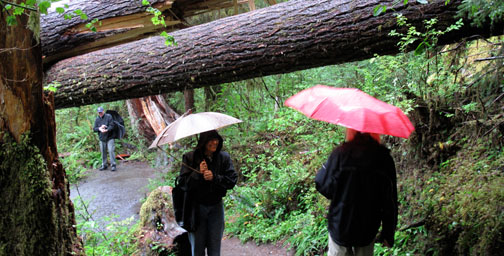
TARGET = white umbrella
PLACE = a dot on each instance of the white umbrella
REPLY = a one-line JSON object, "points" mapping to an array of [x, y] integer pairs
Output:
{"points": [[192, 124]]}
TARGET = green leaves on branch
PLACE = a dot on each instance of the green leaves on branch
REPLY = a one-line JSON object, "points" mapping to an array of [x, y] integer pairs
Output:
{"points": [[379, 10], [428, 39], [42, 7], [159, 19], [480, 10], [169, 40], [52, 87], [91, 25]]}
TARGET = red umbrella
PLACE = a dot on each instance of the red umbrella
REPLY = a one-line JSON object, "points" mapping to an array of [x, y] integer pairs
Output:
{"points": [[351, 108]]}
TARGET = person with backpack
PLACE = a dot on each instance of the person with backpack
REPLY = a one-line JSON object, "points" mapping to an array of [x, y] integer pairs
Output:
{"points": [[104, 126], [208, 173]]}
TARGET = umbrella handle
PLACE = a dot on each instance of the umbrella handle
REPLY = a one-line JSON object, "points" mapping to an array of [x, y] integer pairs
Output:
{"points": [[186, 165]]}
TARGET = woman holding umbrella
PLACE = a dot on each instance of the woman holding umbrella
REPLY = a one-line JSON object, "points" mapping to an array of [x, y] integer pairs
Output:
{"points": [[359, 177], [208, 173], [360, 180]]}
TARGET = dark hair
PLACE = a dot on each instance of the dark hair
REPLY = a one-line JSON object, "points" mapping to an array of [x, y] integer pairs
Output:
{"points": [[364, 137], [205, 137]]}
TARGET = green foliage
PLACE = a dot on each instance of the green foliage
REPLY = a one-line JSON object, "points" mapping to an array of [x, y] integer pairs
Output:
{"points": [[115, 240], [277, 198], [53, 87], [479, 11], [428, 39], [42, 7], [159, 19], [468, 204]]}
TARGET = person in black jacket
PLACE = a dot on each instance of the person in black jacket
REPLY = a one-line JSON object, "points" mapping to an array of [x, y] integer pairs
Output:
{"points": [[360, 180], [104, 125], [208, 173]]}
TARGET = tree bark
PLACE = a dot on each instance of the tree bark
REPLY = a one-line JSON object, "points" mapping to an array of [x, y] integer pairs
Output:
{"points": [[36, 214], [282, 38], [121, 21], [150, 115], [189, 100]]}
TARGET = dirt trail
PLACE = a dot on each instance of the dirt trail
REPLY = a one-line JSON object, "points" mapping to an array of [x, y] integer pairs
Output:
{"points": [[121, 192]]}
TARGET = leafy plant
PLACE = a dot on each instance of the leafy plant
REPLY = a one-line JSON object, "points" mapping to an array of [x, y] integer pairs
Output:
{"points": [[159, 19], [115, 239]]}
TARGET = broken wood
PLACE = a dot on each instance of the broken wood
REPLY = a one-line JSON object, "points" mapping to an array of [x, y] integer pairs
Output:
{"points": [[121, 21], [251, 4], [268, 41], [150, 115]]}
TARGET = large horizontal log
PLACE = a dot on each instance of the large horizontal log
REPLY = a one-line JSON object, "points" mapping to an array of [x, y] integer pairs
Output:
{"points": [[121, 21], [286, 37]]}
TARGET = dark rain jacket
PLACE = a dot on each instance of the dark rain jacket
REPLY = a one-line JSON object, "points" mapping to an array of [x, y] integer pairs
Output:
{"points": [[225, 177], [109, 122], [360, 180]]}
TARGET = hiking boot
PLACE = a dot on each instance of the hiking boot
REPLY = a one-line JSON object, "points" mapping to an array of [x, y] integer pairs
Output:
{"points": [[113, 168], [103, 167]]}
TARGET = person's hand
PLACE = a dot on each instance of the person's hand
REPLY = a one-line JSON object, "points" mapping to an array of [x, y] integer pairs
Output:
{"points": [[208, 175], [103, 128], [203, 166]]}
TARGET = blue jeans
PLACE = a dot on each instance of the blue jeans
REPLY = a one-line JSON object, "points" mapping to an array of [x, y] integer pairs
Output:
{"points": [[209, 232], [110, 147]]}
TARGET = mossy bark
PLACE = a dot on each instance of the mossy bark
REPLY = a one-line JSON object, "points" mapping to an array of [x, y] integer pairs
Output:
{"points": [[36, 214]]}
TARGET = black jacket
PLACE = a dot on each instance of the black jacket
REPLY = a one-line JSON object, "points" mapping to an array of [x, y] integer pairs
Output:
{"points": [[360, 180], [109, 122], [225, 177]]}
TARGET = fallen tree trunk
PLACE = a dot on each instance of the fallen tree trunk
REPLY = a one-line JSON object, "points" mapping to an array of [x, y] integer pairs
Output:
{"points": [[286, 37], [121, 21]]}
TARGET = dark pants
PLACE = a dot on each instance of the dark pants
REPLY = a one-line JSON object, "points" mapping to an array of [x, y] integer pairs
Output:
{"points": [[209, 232]]}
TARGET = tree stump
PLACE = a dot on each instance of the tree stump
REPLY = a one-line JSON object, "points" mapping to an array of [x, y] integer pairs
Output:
{"points": [[159, 232]]}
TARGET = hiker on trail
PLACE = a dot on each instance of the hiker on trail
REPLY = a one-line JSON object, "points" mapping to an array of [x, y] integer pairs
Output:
{"points": [[209, 175], [104, 125], [360, 180]]}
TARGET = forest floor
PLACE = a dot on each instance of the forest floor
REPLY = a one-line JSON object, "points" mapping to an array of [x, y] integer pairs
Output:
{"points": [[120, 193]]}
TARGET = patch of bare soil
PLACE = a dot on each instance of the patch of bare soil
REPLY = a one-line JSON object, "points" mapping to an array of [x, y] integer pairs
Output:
{"points": [[233, 247]]}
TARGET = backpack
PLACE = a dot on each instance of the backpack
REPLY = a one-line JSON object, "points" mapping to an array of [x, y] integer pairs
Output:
{"points": [[119, 129], [184, 206]]}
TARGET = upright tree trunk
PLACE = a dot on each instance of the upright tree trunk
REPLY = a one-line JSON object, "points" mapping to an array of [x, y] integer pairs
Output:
{"points": [[285, 37], [189, 100], [36, 214]]}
